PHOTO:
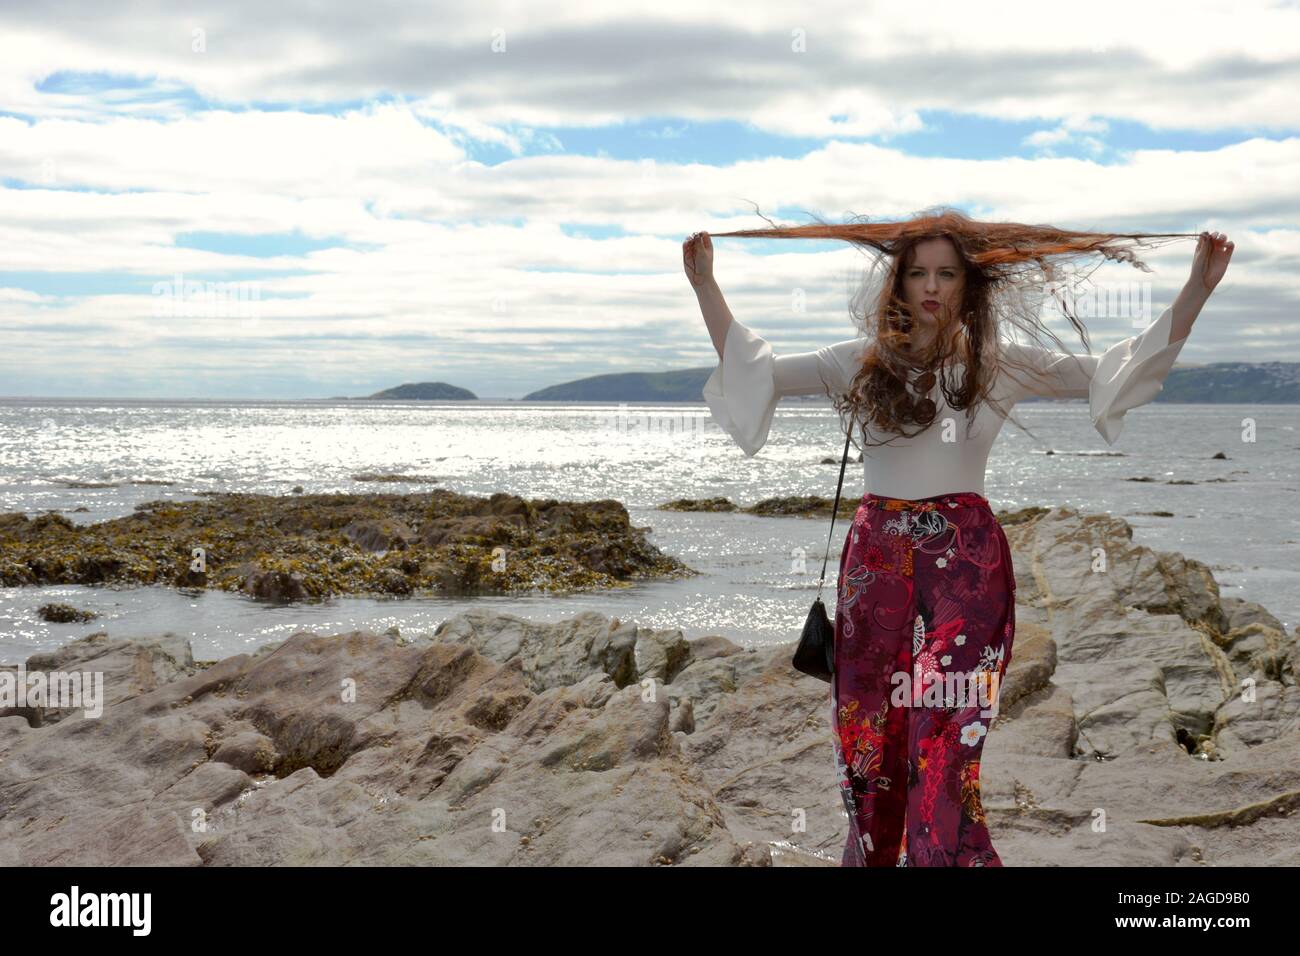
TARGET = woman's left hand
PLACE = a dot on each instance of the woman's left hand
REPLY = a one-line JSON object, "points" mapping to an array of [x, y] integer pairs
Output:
{"points": [[1213, 253]]}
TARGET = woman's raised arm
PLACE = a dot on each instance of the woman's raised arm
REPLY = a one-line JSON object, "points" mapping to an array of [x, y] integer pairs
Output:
{"points": [[697, 260], [1128, 374], [743, 391], [1132, 372]]}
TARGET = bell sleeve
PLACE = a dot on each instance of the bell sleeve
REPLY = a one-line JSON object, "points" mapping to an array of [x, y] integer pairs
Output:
{"points": [[1128, 374], [743, 391]]}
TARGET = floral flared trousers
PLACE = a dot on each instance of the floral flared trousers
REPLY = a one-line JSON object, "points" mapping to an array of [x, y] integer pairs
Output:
{"points": [[924, 622]]}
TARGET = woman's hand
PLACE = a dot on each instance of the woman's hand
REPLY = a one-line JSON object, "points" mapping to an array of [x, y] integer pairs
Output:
{"points": [[697, 258], [1213, 253]]}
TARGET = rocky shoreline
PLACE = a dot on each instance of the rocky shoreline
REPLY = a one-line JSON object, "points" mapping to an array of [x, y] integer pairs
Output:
{"points": [[1144, 721]]}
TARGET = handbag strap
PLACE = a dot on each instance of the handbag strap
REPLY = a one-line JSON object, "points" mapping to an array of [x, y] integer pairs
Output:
{"points": [[834, 511]]}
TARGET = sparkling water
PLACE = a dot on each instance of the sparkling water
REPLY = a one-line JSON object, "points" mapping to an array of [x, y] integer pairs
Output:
{"points": [[758, 574]]}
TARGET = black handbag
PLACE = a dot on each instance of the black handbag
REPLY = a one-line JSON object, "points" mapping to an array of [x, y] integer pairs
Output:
{"points": [[815, 654]]}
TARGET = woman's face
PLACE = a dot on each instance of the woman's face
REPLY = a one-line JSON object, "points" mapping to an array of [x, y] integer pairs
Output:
{"points": [[932, 287]]}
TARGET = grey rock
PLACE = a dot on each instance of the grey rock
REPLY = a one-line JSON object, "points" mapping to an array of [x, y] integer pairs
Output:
{"points": [[550, 655], [1143, 722], [128, 669]]}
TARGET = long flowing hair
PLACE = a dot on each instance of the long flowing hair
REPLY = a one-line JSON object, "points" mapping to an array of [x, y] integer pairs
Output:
{"points": [[1010, 269]]}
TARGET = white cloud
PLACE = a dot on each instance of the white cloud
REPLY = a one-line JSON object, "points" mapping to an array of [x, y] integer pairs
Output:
{"points": [[432, 252]]}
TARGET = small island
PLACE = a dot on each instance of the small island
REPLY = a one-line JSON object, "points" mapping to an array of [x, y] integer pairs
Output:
{"points": [[426, 392]]}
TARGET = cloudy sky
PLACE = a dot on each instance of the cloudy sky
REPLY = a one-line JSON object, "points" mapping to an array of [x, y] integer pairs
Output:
{"points": [[495, 194]]}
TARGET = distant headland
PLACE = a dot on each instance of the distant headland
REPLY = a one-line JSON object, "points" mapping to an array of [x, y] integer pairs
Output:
{"points": [[1213, 383]]}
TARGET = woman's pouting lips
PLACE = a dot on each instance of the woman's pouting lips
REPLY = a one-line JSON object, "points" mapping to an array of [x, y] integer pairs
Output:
{"points": [[930, 305]]}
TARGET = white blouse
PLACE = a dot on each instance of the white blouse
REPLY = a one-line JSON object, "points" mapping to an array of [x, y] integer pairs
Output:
{"points": [[744, 389]]}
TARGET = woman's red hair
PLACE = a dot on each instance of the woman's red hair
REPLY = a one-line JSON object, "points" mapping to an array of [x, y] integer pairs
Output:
{"points": [[1005, 263]]}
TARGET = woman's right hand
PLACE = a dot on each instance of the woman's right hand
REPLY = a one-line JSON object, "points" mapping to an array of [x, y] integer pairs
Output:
{"points": [[697, 258]]}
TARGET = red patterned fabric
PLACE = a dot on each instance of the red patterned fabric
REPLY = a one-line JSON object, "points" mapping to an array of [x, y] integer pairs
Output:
{"points": [[924, 622]]}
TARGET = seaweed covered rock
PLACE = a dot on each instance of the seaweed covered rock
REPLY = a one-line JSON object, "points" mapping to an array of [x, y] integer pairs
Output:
{"points": [[286, 548]]}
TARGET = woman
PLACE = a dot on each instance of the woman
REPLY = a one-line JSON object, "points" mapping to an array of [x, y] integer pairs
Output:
{"points": [[925, 613]]}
